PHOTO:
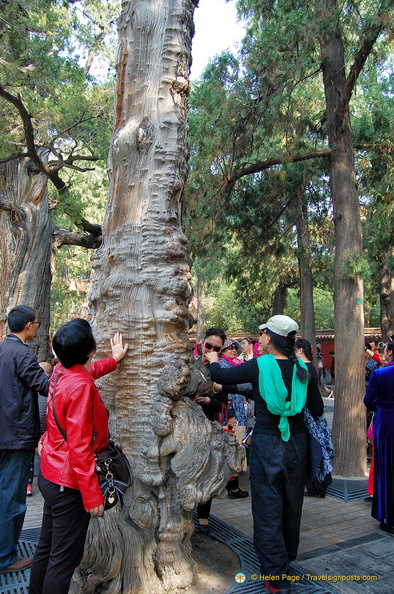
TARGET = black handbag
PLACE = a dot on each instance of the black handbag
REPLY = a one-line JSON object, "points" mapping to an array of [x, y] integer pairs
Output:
{"points": [[112, 467], [114, 474]]}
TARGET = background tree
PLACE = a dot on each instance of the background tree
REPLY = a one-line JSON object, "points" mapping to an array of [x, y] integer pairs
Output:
{"points": [[373, 133], [141, 288], [293, 104], [55, 123]]}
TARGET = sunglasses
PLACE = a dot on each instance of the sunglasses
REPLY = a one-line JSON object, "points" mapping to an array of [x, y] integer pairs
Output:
{"points": [[263, 332], [211, 347], [232, 346]]}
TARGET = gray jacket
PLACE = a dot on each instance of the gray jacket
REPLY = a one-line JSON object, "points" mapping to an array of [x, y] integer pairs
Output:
{"points": [[21, 378]]}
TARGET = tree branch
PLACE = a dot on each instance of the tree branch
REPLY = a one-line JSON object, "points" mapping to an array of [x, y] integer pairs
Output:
{"points": [[51, 171], [370, 37], [91, 228], [13, 158], [68, 237], [15, 212], [263, 165], [29, 138]]}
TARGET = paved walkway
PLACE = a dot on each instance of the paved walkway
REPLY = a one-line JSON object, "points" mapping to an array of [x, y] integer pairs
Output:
{"points": [[340, 541]]}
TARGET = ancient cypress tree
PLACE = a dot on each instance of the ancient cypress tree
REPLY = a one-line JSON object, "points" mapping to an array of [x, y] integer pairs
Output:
{"points": [[141, 288]]}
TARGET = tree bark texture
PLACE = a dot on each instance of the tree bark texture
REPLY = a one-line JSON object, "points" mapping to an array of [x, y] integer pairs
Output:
{"points": [[386, 298], [25, 240], [141, 288], [349, 416]]}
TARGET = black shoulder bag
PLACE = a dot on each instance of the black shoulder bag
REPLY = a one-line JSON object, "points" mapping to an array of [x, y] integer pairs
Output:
{"points": [[112, 467]]}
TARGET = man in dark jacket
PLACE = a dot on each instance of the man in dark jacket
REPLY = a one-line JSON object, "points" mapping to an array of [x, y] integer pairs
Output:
{"points": [[21, 378]]}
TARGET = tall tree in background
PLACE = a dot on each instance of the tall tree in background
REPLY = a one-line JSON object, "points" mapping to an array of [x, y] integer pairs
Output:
{"points": [[373, 136], [54, 121], [141, 288], [339, 83]]}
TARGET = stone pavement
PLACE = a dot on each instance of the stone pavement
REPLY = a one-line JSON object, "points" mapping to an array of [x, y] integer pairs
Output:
{"points": [[340, 541]]}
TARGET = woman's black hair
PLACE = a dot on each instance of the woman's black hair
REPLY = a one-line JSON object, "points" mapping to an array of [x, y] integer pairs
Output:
{"points": [[285, 345], [305, 345], [74, 342]]}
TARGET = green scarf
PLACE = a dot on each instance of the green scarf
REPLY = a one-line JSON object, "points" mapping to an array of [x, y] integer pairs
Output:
{"points": [[274, 392]]}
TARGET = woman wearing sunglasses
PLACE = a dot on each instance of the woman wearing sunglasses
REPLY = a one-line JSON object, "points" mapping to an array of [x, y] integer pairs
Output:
{"points": [[279, 446]]}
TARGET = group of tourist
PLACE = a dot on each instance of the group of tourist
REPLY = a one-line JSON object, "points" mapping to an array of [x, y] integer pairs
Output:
{"points": [[67, 477], [281, 381], [281, 386]]}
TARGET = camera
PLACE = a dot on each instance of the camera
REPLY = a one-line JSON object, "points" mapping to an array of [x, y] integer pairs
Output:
{"points": [[381, 345]]}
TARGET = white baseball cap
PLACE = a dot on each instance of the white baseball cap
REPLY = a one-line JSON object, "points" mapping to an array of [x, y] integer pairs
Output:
{"points": [[282, 325]]}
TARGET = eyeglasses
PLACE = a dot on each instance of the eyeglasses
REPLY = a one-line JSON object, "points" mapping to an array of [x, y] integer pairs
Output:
{"points": [[211, 347], [263, 332], [38, 323], [232, 346]]}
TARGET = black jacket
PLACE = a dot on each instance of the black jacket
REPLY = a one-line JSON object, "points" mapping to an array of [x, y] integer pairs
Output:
{"points": [[265, 421], [21, 378]]}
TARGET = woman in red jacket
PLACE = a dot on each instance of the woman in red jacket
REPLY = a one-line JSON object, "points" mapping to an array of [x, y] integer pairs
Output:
{"points": [[67, 479]]}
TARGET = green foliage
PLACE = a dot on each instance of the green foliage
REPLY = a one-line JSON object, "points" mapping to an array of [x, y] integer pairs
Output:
{"points": [[70, 284], [47, 61], [71, 280], [234, 311], [226, 308], [40, 41], [267, 102], [356, 267]]}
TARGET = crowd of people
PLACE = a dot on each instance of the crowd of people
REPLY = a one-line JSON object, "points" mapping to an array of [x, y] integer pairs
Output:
{"points": [[67, 477], [270, 385], [281, 387]]}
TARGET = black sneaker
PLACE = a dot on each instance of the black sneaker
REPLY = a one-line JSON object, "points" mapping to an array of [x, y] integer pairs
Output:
{"points": [[204, 528], [388, 529], [237, 494]]}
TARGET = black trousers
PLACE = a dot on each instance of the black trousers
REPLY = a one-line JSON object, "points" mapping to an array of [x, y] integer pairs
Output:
{"points": [[63, 533], [204, 509], [277, 478]]}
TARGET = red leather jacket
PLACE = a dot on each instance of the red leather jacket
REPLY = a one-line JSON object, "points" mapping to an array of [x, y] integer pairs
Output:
{"points": [[84, 418]]}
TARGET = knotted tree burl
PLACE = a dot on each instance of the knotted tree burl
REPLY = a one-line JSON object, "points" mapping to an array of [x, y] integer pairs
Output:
{"points": [[141, 288]]}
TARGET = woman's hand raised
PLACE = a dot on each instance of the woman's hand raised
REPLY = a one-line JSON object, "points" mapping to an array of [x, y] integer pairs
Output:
{"points": [[118, 350]]}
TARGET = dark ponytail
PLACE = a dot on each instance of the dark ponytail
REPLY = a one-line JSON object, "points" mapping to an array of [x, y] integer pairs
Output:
{"points": [[285, 345], [305, 345]]}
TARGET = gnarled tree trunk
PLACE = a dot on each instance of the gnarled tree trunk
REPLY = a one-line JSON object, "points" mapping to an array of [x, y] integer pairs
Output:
{"points": [[25, 239], [141, 288]]}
